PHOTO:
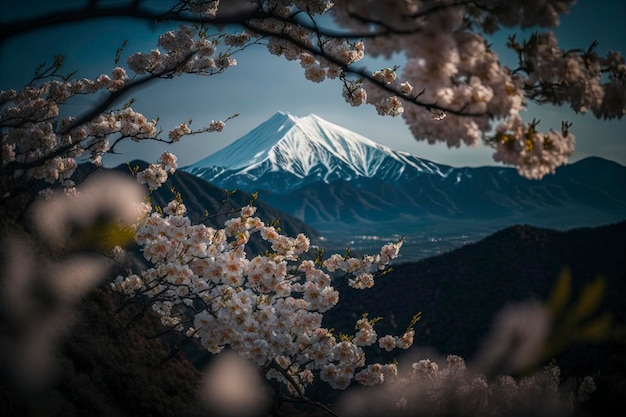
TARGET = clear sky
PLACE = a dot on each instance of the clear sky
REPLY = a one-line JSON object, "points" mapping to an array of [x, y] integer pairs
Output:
{"points": [[262, 84]]}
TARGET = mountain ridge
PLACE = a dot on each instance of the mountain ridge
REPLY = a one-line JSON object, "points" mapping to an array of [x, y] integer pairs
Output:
{"points": [[341, 184]]}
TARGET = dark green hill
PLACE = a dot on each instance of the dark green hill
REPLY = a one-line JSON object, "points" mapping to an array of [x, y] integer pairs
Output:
{"points": [[458, 292], [110, 368]]}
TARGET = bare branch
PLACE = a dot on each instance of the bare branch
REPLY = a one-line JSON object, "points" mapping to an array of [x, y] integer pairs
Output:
{"points": [[22, 26]]}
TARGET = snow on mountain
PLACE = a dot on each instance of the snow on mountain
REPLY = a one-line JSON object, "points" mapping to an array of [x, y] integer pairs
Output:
{"points": [[287, 152]]}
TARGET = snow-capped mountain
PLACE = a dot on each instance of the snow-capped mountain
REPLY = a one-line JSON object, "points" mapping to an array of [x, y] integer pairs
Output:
{"points": [[328, 176], [286, 153]]}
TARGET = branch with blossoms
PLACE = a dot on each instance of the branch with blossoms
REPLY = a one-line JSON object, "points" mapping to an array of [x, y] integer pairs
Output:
{"points": [[578, 77], [464, 91], [459, 75], [268, 309], [37, 144], [353, 91]]}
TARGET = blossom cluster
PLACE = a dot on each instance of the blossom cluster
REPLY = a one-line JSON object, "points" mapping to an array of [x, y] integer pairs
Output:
{"points": [[535, 154], [586, 81], [450, 387], [184, 50], [156, 174], [465, 91], [34, 133], [269, 308], [41, 142], [321, 57]]}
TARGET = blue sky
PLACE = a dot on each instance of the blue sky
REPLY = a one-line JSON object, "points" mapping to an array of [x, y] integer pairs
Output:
{"points": [[262, 84]]}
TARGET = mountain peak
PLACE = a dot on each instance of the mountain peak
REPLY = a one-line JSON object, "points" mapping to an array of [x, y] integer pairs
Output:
{"points": [[251, 148], [289, 151]]}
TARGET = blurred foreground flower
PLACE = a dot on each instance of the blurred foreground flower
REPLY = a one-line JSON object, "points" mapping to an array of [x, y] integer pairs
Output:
{"points": [[41, 285], [233, 387], [507, 376], [518, 334]]}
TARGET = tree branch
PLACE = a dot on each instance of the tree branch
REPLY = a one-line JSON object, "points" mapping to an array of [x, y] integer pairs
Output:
{"points": [[359, 72], [90, 115], [92, 12]]}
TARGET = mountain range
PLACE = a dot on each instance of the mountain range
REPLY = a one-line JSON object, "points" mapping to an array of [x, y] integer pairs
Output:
{"points": [[336, 180]]}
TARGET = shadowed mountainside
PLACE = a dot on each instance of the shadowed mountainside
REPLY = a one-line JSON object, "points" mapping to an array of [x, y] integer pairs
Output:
{"points": [[462, 289], [201, 197], [588, 192], [458, 294], [109, 367]]}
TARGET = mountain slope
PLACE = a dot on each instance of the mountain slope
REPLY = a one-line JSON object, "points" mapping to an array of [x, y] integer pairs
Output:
{"points": [[458, 292]]}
